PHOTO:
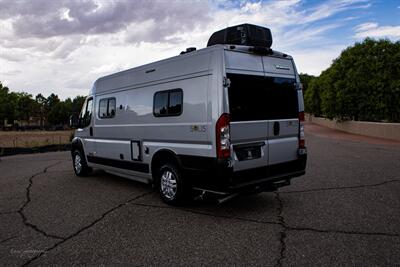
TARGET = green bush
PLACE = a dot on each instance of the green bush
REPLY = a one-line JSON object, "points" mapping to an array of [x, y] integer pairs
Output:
{"points": [[363, 83]]}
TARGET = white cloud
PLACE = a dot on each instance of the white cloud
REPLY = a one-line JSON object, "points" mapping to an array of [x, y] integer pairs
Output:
{"points": [[366, 26], [64, 46], [372, 29], [252, 7], [332, 7], [108, 68], [11, 72], [64, 14], [291, 38], [16, 55], [313, 61], [43, 18]]}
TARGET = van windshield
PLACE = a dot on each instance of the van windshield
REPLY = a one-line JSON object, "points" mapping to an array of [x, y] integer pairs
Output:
{"points": [[254, 97]]}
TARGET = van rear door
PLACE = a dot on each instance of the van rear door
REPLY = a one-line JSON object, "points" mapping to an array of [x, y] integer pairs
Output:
{"points": [[283, 124], [249, 125], [249, 130], [264, 112], [282, 100]]}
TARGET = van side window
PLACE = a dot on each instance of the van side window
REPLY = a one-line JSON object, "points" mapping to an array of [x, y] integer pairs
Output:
{"points": [[107, 108], [168, 103]]}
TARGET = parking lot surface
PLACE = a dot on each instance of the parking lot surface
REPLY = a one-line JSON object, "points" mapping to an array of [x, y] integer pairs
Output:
{"points": [[344, 212]]}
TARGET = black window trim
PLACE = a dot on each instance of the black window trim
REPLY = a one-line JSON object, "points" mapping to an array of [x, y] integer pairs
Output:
{"points": [[108, 104], [167, 91], [82, 117]]}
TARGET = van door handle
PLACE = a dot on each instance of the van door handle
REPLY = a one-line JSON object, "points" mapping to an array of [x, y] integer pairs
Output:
{"points": [[91, 131], [276, 128]]}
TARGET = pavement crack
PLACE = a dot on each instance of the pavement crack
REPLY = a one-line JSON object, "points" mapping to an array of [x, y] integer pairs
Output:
{"points": [[28, 200], [7, 239], [8, 212], [282, 233], [290, 228], [88, 226], [281, 221], [342, 187]]}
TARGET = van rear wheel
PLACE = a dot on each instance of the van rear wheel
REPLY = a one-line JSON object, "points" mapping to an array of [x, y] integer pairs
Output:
{"points": [[172, 189], [79, 162]]}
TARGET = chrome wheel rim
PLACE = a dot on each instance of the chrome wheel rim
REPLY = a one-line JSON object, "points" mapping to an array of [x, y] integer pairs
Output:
{"points": [[168, 184], [78, 163]]}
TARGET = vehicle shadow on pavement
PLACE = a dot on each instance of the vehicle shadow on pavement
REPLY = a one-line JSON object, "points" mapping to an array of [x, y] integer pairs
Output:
{"points": [[264, 201]]}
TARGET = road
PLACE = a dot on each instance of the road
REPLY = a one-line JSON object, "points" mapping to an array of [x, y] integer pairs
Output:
{"points": [[344, 212]]}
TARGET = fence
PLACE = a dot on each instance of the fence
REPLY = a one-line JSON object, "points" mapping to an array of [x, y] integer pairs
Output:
{"points": [[373, 129], [31, 139], [12, 143]]}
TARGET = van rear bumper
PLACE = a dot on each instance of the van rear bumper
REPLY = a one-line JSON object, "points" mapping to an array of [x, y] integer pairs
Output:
{"points": [[216, 175]]}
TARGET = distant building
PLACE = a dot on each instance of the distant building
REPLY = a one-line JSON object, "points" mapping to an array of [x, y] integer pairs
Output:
{"points": [[32, 123]]}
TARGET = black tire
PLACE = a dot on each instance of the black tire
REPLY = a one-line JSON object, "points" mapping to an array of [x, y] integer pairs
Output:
{"points": [[168, 176], [79, 163]]}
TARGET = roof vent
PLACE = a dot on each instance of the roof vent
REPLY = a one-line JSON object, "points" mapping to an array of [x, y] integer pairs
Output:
{"points": [[244, 34], [188, 50]]}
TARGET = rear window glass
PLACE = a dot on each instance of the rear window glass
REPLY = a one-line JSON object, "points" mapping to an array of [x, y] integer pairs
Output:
{"points": [[254, 97]]}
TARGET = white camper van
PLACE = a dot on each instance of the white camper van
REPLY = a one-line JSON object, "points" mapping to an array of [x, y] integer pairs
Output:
{"points": [[224, 119]]}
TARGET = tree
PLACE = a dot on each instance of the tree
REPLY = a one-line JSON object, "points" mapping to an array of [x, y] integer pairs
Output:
{"points": [[306, 80], [312, 98], [51, 101], [25, 106], [21, 106], [77, 104], [41, 112], [8, 105], [363, 83], [3, 103]]}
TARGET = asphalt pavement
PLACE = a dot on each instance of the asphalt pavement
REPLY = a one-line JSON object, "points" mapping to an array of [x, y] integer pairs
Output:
{"points": [[344, 212]]}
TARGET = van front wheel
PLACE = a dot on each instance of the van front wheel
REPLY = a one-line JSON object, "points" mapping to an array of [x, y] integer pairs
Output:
{"points": [[171, 185], [80, 166]]}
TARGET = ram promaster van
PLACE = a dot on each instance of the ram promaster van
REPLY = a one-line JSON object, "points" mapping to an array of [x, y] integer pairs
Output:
{"points": [[225, 119]]}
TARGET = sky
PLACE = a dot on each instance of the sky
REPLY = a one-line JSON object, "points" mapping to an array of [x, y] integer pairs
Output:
{"points": [[62, 47]]}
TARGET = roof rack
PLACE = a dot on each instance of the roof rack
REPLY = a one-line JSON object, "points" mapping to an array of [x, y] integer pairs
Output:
{"points": [[243, 34]]}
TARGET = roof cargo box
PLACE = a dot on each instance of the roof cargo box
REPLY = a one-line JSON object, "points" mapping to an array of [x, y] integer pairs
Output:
{"points": [[244, 34]]}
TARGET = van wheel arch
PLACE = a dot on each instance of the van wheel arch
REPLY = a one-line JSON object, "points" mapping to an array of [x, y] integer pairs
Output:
{"points": [[77, 147], [77, 144], [161, 157]]}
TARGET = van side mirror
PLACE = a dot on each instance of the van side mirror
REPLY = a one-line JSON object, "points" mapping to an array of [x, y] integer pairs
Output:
{"points": [[74, 121]]}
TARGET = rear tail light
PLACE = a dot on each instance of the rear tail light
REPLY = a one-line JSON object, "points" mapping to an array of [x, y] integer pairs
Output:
{"points": [[302, 139], [223, 136]]}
